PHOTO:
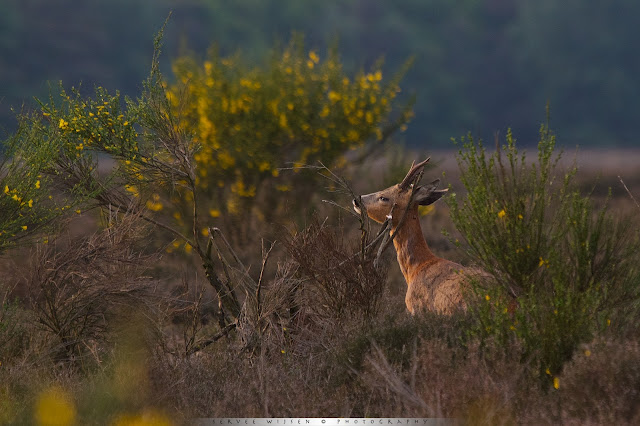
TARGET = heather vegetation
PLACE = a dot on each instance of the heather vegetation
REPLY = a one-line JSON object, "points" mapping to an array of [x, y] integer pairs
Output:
{"points": [[183, 254]]}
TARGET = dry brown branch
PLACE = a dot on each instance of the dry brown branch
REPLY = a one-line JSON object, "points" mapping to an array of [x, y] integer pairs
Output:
{"points": [[337, 282], [204, 343], [265, 259], [629, 192], [396, 384], [78, 287]]}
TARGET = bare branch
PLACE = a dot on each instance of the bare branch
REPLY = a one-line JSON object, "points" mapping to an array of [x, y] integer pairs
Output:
{"points": [[629, 192], [203, 344], [265, 258]]}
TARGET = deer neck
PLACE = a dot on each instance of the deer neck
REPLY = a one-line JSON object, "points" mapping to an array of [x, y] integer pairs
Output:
{"points": [[411, 247]]}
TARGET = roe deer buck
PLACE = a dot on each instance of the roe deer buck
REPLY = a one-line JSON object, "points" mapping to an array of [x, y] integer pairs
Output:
{"points": [[434, 284]]}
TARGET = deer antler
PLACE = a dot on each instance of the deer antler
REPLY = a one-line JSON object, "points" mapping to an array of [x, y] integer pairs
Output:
{"points": [[415, 168]]}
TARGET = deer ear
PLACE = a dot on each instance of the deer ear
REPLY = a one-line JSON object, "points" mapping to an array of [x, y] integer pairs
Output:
{"points": [[428, 194]]}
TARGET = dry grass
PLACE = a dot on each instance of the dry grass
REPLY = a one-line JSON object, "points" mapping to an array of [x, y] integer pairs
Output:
{"points": [[326, 335]]}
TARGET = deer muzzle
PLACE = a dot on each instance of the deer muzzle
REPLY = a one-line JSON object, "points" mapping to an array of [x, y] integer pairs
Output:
{"points": [[356, 205]]}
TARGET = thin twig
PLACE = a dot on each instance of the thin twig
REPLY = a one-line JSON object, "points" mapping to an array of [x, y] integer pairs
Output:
{"points": [[381, 234], [348, 210], [203, 344], [629, 192], [213, 232], [265, 258], [156, 223]]}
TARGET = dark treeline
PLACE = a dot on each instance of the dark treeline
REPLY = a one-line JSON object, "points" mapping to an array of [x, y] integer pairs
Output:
{"points": [[480, 66]]}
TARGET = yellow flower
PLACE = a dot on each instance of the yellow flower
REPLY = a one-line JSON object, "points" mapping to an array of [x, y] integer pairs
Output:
{"points": [[55, 407], [78, 211], [132, 189], [147, 418], [155, 205], [63, 124], [24, 227], [520, 216], [314, 57], [369, 117], [487, 297], [502, 214], [548, 371], [30, 203], [283, 121], [6, 189], [587, 353], [214, 212], [556, 382], [37, 184]]}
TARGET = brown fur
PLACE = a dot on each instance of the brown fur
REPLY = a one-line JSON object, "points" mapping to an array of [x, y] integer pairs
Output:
{"points": [[433, 283]]}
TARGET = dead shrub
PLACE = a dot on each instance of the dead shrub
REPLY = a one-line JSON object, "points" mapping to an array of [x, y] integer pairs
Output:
{"points": [[77, 287], [338, 280]]}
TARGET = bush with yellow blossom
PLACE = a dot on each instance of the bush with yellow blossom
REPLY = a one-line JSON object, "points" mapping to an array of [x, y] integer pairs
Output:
{"points": [[300, 107], [27, 206], [564, 267]]}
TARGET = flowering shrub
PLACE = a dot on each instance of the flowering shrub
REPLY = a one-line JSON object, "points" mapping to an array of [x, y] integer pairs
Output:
{"points": [[297, 109], [563, 267], [27, 206]]}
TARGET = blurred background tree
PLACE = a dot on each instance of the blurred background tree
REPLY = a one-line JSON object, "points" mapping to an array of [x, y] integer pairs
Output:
{"points": [[480, 66]]}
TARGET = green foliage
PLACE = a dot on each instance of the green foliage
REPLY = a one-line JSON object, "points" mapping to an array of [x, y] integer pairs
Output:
{"points": [[26, 203], [564, 267]]}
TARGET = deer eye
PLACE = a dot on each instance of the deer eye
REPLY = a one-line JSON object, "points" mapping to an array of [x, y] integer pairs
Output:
{"points": [[383, 199]]}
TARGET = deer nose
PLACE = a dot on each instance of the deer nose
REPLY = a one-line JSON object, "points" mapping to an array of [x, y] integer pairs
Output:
{"points": [[356, 205]]}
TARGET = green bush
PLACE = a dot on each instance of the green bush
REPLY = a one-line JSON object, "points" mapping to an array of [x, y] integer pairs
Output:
{"points": [[27, 206], [565, 268]]}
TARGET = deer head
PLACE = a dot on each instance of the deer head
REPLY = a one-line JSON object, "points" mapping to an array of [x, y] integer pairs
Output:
{"points": [[395, 199]]}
